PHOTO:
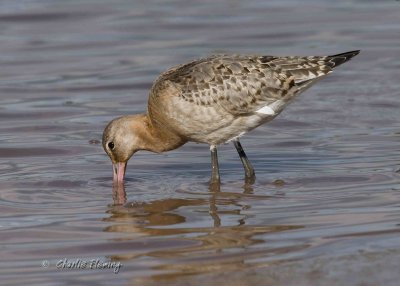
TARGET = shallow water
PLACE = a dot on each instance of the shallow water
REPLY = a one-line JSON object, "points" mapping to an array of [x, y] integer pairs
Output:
{"points": [[324, 210]]}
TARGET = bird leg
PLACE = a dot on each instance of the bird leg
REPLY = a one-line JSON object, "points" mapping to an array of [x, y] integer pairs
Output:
{"points": [[215, 179], [248, 168]]}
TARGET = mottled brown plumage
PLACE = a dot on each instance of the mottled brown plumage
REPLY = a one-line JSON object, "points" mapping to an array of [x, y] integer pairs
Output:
{"points": [[216, 99]]}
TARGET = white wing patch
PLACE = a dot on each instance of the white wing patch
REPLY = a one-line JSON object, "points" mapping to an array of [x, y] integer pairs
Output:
{"points": [[266, 110], [273, 108]]}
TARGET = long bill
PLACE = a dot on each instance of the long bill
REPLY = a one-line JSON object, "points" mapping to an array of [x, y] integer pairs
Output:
{"points": [[119, 172]]}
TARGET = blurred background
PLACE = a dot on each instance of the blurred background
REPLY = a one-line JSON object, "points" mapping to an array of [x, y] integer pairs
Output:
{"points": [[324, 209]]}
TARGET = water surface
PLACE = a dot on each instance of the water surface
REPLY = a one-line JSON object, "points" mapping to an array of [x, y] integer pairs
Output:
{"points": [[324, 209]]}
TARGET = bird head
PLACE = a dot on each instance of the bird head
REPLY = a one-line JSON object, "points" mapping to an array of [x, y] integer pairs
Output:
{"points": [[121, 139]]}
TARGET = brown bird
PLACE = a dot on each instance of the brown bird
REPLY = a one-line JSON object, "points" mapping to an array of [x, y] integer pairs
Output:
{"points": [[214, 100]]}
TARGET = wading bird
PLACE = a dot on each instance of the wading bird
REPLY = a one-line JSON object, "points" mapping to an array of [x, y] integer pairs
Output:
{"points": [[214, 100]]}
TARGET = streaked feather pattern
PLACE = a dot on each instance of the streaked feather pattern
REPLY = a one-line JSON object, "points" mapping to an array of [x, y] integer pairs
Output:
{"points": [[214, 99], [243, 84]]}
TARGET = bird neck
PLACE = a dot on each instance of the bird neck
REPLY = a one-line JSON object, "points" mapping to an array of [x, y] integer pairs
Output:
{"points": [[158, 138]]}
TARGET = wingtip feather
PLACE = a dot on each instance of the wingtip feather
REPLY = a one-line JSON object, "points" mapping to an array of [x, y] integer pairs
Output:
{"points": [[343, 57]]}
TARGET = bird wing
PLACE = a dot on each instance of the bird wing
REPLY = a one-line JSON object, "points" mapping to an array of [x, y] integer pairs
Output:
{"points": [[245, 84]]}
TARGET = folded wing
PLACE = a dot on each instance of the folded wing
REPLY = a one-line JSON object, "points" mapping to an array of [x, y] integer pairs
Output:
{"points": [[246, 84]]}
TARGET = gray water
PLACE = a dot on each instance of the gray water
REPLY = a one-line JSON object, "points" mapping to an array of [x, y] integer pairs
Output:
{"points": [[324, 209]]}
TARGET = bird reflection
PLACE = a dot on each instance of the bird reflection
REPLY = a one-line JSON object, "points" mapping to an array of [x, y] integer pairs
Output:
{"points": [[157, 209], [119, 194], [163, 221]]}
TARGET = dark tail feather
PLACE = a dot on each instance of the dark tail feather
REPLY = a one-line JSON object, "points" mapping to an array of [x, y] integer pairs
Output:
{"points": [[342, 58]]}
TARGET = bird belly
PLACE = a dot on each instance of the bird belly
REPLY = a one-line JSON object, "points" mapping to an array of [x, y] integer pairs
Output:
{"points": [[212, 125], [238, 127]]}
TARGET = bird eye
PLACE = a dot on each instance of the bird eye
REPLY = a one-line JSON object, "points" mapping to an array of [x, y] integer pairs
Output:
{"points": [[111, 145]]}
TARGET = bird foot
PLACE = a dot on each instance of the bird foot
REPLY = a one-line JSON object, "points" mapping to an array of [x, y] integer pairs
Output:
{"points": [[214, 185], [250, 179]]}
